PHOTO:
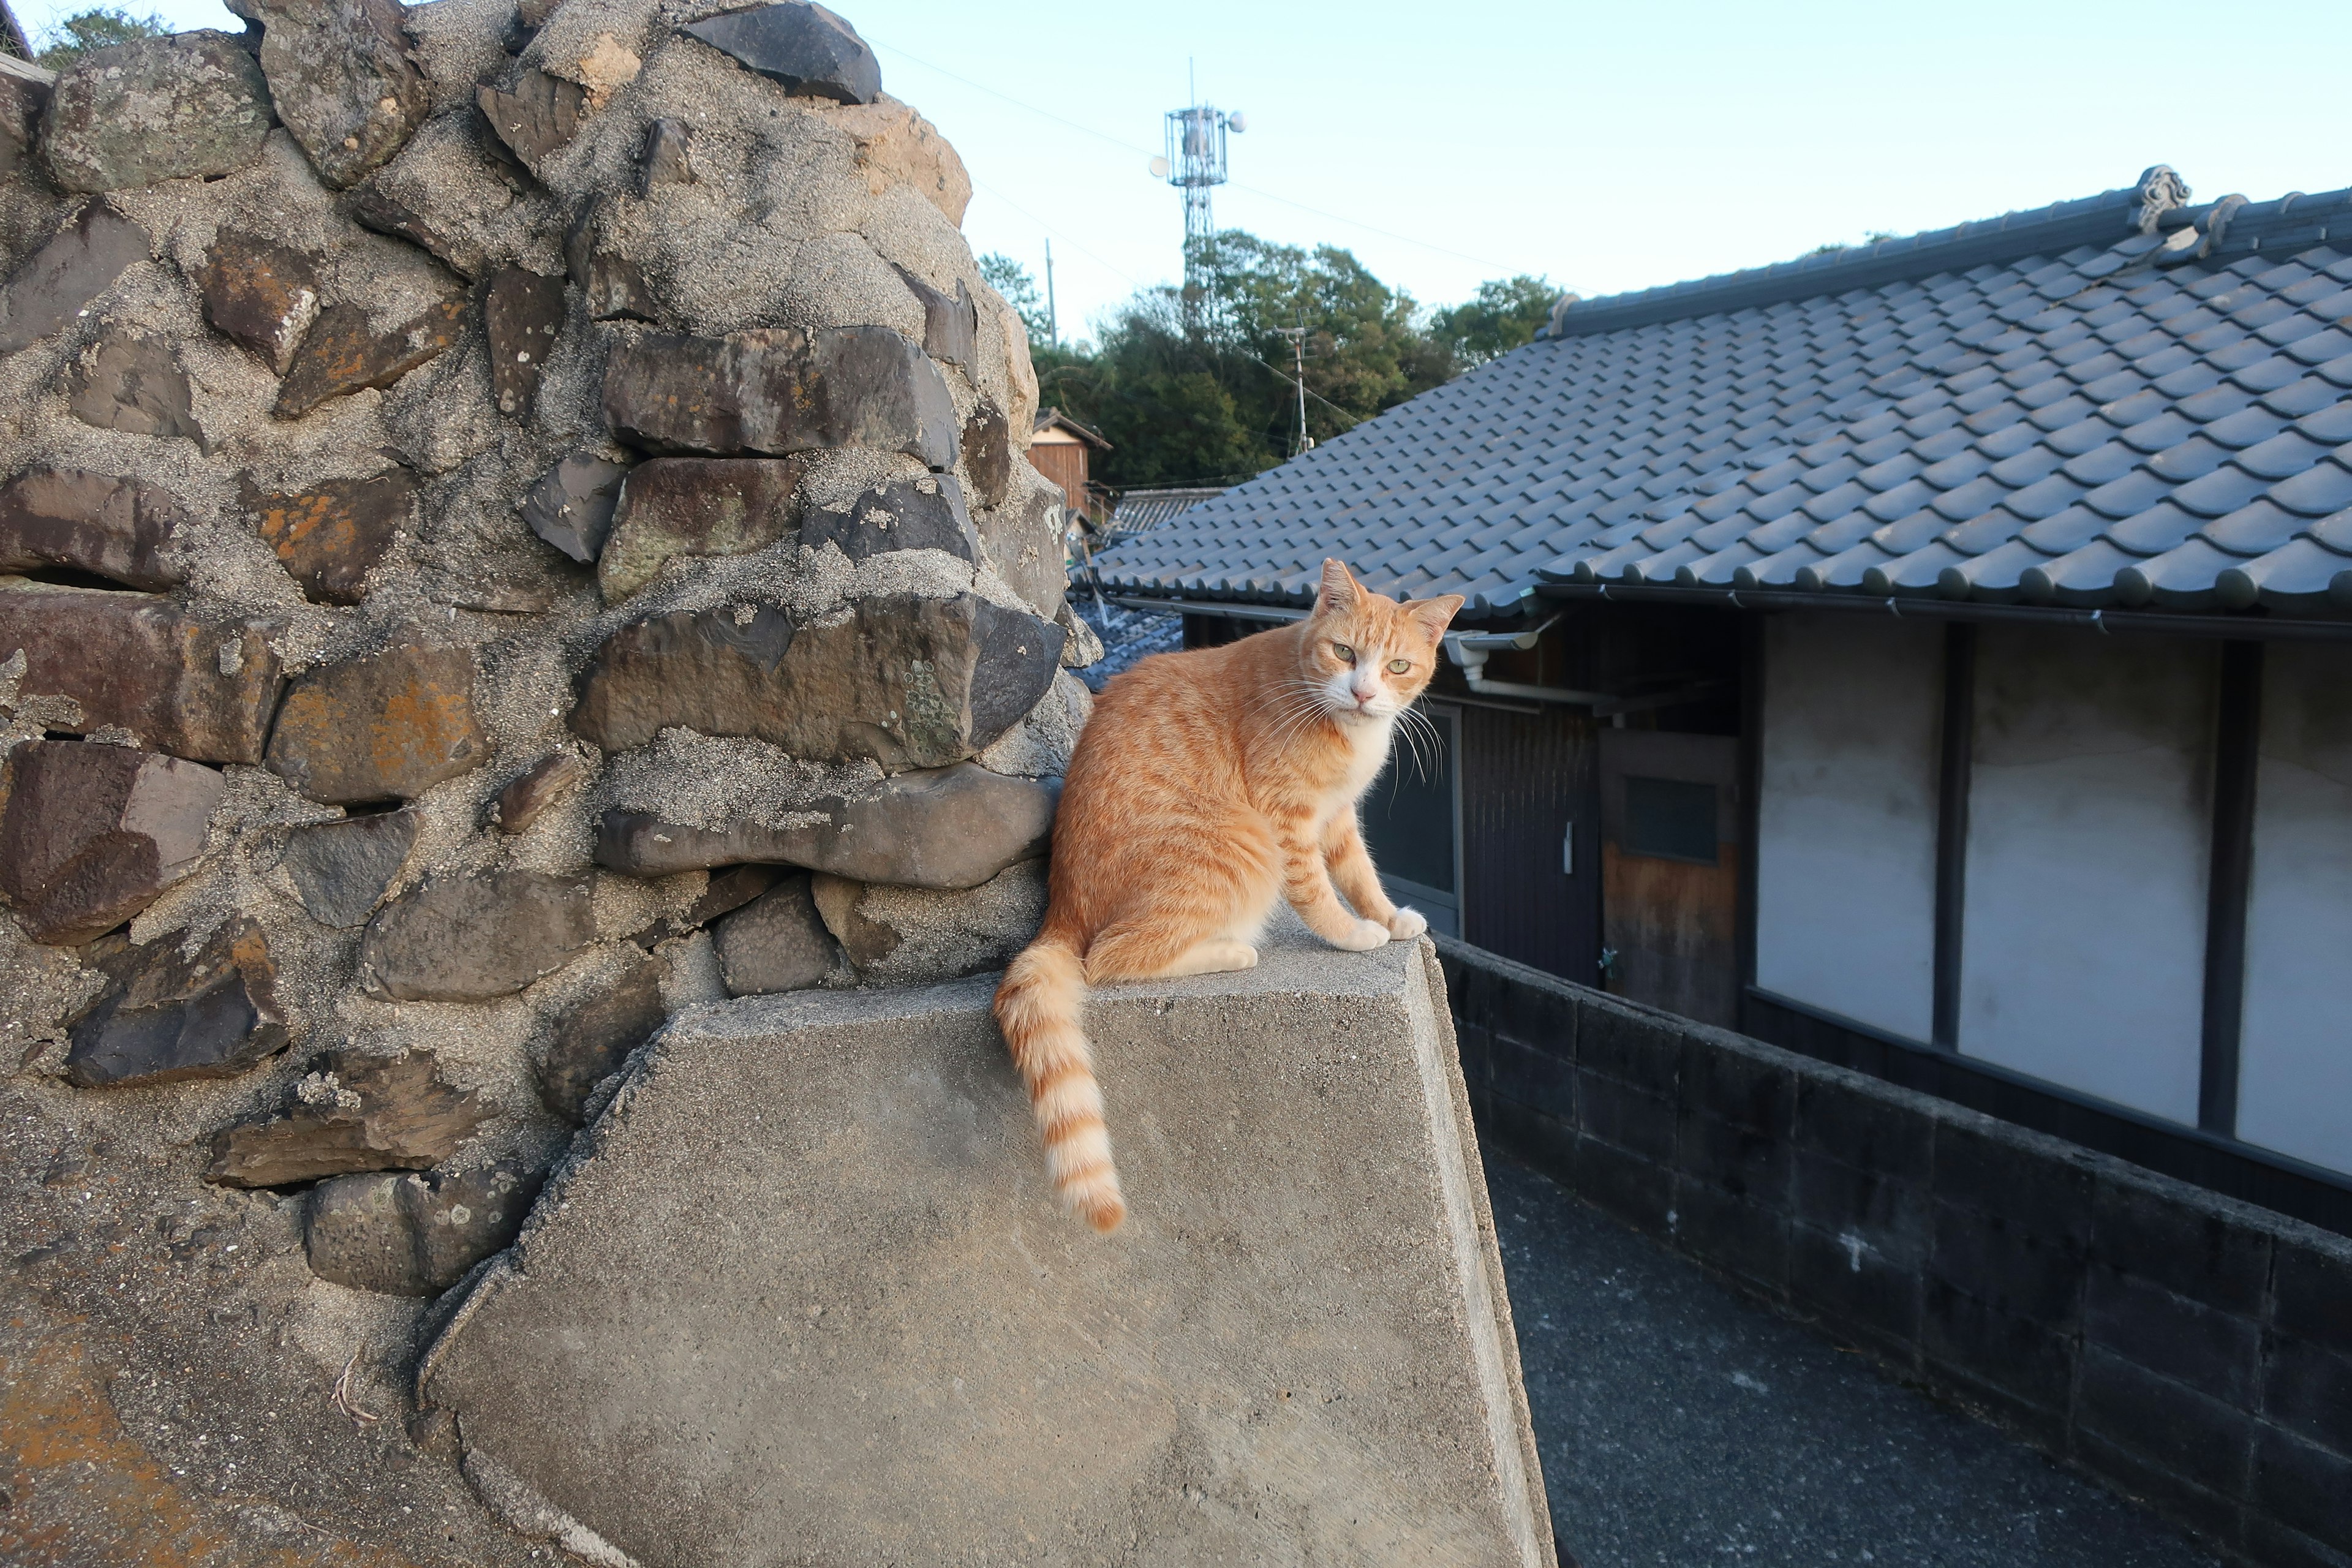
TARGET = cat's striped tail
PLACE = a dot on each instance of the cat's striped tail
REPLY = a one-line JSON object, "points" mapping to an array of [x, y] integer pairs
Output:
{"points": [[1038, 1008]]}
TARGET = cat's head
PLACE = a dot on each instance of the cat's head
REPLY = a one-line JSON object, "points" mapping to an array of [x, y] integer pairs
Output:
{"points": [[1369, 656]]}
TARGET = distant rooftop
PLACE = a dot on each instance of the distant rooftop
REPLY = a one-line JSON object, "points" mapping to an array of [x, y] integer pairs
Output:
{"points": [[2124, 401]]}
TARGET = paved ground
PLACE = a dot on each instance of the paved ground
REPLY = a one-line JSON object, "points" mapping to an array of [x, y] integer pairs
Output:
{"points": [[1681, 1423]]}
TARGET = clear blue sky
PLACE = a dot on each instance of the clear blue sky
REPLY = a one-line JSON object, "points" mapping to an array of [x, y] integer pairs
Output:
{"points": [[1610, 147]]}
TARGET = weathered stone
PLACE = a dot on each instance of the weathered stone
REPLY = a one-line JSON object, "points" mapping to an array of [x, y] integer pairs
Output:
{"points": [[812, 51], [184, 684], [694, 506], [79, 262], [331, 536], [910, 682], [880, 1248], [988, 454], [777, 942], [728, 890], [896, 146], [260, 294], [905, 514], [538, 786], [413, 1236], [573, 504], [1081, 645], [350, 1112], [779, 391], [950, 827], [166, 1016], [616, 291], [116, 527], [23, 95], [1024, 539], [950, 322], [395, 214], [912, 936], [587, 1043], [386, 727], [534, 13], [341, 77], [92, 835], [539, 116], [134, 384], [156, 109], [522, 313], [345, 353], [342, 870], [668, 158], [468, 939]]}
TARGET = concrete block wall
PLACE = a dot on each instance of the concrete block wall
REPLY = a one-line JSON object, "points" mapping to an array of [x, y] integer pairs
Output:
{"points": [[2190, 1350]]}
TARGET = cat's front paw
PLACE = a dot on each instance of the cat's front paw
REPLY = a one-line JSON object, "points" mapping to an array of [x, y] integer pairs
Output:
{"points": [[1406, 924], [1365, 936]]}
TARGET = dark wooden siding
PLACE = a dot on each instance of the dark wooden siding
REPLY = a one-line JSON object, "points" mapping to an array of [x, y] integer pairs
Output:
{"points": [[1064, 463], [1524, 776]]}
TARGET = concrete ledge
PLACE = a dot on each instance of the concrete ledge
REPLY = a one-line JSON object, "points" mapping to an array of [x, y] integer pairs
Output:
{"points": [[804, 1296]]}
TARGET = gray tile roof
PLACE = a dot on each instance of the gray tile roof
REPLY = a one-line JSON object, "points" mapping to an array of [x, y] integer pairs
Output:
{"points": [[2054, 408], [1139, 511]]}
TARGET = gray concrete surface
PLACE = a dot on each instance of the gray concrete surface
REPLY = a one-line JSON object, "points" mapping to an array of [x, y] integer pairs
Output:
{"points": [[1681, 1423], [804, 1295]]}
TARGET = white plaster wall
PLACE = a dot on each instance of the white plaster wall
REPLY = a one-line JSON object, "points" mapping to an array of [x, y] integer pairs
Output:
{"points": [[2295, 1084], [1845, 850], [2089, 825]]}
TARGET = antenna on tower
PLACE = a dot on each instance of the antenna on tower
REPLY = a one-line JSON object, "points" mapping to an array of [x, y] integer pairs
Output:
{"points": [[1195, 165]]}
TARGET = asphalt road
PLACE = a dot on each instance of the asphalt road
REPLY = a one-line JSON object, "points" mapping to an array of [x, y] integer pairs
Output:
{"points": [[1681, 1424]]}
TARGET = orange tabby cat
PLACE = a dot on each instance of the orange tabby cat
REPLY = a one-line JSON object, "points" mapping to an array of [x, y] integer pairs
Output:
{"points": [[1207, 785]]}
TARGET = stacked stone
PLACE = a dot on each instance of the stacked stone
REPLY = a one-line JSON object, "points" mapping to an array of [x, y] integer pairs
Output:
{"points": [[518, 524]]}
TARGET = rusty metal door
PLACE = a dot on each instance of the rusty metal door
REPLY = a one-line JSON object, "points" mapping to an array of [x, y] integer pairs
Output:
{"points": [[1670, 824]]}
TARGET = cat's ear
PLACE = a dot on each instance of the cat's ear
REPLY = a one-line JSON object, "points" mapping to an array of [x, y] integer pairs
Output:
{"points": [[1435, 615], [1340, 589]]}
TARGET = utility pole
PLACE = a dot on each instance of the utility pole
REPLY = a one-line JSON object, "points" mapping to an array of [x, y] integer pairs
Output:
{"points": [[1053, 319], [1298, 336]]}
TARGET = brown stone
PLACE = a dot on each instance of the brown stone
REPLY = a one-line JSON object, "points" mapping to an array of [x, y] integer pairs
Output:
{"points": [[341, 870], [135, 385], [344, 353], [411, 1235], [946, 827], [259, 294], [694, 506], [778, 942], [571, 505], [910, 682], [342, 80], [988, 454], [896, 146], [77, 265], [92, 834], [331, 536], [950, 322], [613, 287], [521, 313], [668, 158], [905, 514], [166, 1016], [386, 727], [541, 786], [156, 109], [536, 118], [115, 528], [778, 391], [587, 1042], [192, 686], [1023, 538], [729, 889], [468, 939], [351, 1112], [916, 936]]}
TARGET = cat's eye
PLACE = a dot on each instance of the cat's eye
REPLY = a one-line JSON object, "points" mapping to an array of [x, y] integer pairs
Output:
{"points": [[1400, 665], [1346, 653]]}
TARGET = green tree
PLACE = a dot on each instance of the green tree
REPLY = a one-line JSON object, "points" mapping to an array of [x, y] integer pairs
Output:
{"points": [[85, 32], [1012, 281], [1506, 313]]}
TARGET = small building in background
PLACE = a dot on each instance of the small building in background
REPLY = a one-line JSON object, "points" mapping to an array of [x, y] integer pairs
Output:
{"points": [[1060, 449]]}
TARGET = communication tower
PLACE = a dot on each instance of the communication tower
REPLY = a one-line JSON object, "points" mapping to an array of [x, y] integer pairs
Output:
{"points": [[1195, 165]]}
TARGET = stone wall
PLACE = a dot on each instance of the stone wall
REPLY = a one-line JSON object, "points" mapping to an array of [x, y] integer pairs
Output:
{"points": [[517, 522]]}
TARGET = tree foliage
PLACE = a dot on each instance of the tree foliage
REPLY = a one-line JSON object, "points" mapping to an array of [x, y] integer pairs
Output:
{"points": [[1012, 281], [85, 32], [1219, 403]]}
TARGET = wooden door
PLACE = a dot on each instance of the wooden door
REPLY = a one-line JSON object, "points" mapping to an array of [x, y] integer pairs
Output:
{"points": [[1530, 837], [1670, 824]]}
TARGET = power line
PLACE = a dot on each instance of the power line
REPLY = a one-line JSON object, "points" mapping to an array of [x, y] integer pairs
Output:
{"points": [[1132, 147]]}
